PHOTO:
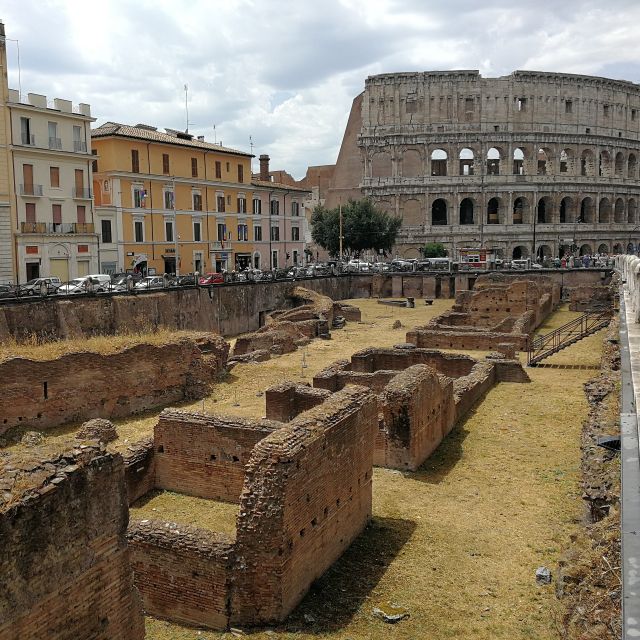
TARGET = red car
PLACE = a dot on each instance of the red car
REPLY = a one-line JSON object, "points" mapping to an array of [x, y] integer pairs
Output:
{"points": [[211, 278]]}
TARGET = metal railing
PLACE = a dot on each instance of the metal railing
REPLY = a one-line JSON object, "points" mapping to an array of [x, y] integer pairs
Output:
{"points": [[31, 190], [28, 139], [55, 143], [79, 146], [57, 227], [569, 333], [81, 193]]}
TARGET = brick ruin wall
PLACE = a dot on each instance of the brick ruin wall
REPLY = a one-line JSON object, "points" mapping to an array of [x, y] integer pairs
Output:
{"points": [[306, 496], [205, 455], [64, 559], [288, 399], [79, 386]]}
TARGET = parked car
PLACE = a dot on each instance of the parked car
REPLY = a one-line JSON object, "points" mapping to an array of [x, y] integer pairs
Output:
{"points": [[119, 280], [358, 266], [97, 282], [151, 282], [34, 287], [8, 291], [211, 278], [188, 280]]}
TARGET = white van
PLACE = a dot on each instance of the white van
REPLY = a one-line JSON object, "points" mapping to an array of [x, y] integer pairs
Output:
{"points": [[522, 263]]}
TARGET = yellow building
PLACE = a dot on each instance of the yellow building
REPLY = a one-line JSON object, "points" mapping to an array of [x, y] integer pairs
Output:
{"points": [[167, 197]]}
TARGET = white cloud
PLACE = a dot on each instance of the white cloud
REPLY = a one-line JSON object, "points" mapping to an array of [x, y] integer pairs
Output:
{"points": [[286, 72]]}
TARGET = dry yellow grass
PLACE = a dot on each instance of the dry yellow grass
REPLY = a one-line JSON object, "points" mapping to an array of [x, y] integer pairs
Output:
{"points": [[457, 542], [38, 349]]}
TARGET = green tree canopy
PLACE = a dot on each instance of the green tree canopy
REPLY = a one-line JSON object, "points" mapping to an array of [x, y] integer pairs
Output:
{"points": [[434, 250], [363, 227]]}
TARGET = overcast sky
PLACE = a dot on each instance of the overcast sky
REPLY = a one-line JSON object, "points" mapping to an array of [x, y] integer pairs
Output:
{"points": [[286, 71]]}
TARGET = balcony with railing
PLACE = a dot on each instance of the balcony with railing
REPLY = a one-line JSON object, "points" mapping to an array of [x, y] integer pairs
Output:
{"points": [[31, 190], [80, 146], [57, 227], [55, 143], [28, 139], [81, 193], [221, 245]]}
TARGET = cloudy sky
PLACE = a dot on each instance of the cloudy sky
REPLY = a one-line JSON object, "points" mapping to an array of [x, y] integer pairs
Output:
{"points": [[285, 71]]}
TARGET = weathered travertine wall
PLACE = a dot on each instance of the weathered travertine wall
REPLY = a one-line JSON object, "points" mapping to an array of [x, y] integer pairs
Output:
{"points": [[205, 455], [78, 386], [306, 496], [63, 553]]}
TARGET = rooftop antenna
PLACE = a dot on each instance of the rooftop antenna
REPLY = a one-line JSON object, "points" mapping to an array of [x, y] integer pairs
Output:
{"points": [[215, 139], [251, 146], [186, 105]]}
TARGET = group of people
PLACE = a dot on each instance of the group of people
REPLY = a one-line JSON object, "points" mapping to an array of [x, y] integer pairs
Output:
{"points": [[569, 261]]}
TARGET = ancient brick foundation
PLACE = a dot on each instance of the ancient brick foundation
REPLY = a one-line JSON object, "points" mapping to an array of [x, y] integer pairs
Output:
{"points": [[64, 559], [500, 309], [306, 495], [79, 386]]}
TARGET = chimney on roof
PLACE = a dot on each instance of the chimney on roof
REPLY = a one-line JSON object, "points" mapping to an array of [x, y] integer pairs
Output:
{"points": [[264, 167]]}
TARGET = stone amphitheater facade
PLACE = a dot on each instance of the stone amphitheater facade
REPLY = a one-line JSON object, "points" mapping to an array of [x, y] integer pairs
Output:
{"points": [[530, 163]]}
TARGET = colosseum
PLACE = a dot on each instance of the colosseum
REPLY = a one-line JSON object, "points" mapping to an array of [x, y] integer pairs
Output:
{"points": [[533, 163]]}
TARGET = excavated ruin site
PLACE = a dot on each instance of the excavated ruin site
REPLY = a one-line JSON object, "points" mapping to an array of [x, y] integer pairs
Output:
{"points": [[349, 470]]}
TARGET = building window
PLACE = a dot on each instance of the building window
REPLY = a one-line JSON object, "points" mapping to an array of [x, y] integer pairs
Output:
{"points": [[295, 208], [165, 164], [54, 141], [274, 259], [54, 177], [79, 145], [634, 114], [194, 167], [222, 232], [81, 211], [168, 230], [605, 110], [242, 205], [240, 173], [257, 206], [275, 208], [135, 161], [56, 211], [30, 212], [257, 234], [197, 202], [243, 232], [169, 200], [568, 106], [94, 164], [138, 231], [25, 131], [106, 231], [295, 234], [220, 202], [275, 234], [218, 169], [139, 196], [469, 105], [197, 230], [521, 104], [228, 167]]}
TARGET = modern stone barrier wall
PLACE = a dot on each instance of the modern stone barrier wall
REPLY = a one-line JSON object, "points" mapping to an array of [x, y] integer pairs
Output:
{"points": [[63, 553], [77, 386], [629, 266]]}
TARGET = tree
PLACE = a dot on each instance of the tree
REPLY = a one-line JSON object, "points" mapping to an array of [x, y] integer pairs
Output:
{"points": [[434, 250], [363, 227]]}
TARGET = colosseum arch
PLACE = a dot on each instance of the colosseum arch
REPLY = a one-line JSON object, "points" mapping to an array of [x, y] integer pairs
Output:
{"points": [[545, 161], [520, 252], [518, 162], [439, 162], [604, 166], [632, 166], [604, 210], [567, 210], [586, 250], [543, 251], [545, 210], [617, 248], [632, 211], [520, 211], [412, 164], [567, 161], [466, 158], [618, 210], [619, 165], [466, 211], [587, 163], [381, 165], [494, 156], [587, 210], [411, 214], [495, 214], [439, 212], [603, 248]]}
